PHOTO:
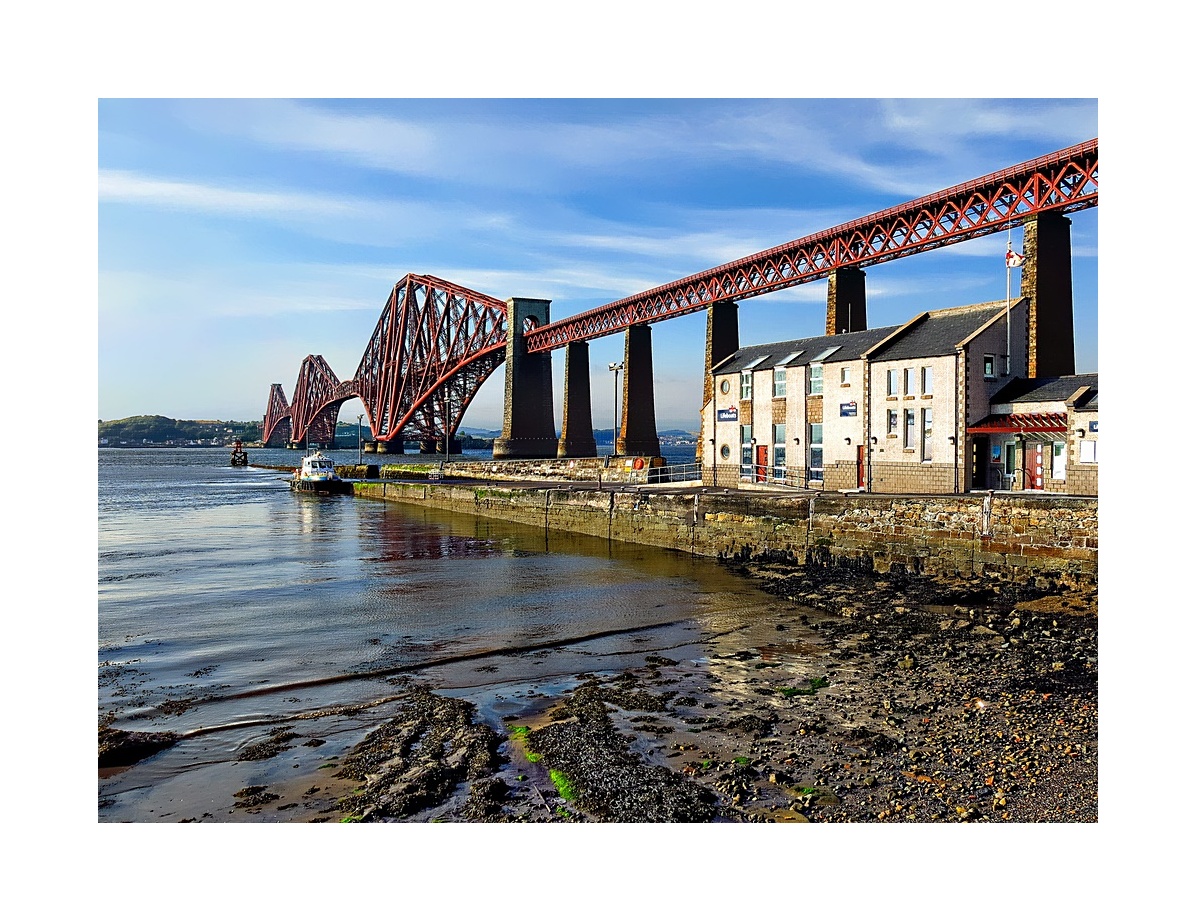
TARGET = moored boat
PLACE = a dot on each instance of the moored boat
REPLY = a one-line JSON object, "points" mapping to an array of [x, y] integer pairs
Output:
{"points": [[318, 475]]}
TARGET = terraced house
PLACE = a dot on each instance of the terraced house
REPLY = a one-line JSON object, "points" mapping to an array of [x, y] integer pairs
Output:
{"points": [[915, 408]]}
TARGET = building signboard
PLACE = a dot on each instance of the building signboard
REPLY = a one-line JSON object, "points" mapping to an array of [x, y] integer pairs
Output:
{"points": [[729, 415], [847, 409]]}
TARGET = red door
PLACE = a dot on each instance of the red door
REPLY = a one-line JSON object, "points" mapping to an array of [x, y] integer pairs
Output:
{"points": [[1032, 469], [761, 463], [860, 479]]}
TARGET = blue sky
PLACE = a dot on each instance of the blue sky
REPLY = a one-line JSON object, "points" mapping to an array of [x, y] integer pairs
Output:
{"points": [[237, 236]]}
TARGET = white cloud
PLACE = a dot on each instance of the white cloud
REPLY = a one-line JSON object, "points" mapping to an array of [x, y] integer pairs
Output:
{"points": [[131, 188]]}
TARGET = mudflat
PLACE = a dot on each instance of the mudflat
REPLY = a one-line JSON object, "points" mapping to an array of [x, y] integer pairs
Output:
{"points": [[851, 697]]}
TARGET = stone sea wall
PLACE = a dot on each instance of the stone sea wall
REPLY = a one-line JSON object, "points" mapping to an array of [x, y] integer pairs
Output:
{"points": [[1009, 536]]}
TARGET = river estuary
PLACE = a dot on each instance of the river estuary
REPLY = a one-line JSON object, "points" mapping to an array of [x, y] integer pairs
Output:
{"points": [[230, 607]]}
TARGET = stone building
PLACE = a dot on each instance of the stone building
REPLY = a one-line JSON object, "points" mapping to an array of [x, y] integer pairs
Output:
{"points": [[879, 410], [1041, 434]]}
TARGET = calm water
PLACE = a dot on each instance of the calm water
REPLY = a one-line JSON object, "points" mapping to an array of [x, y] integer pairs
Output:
{"points": [[221, 593]]}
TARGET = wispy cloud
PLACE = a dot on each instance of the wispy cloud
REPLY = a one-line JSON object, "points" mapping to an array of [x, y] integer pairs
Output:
{"points": [[376, 221], [121, 186], [505, 148]]}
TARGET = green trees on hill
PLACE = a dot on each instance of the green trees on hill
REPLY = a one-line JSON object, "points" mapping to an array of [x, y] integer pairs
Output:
{"points": [[160, 430]]}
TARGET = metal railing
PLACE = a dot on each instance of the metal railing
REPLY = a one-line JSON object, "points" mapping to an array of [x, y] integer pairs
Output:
{"points": [[675, 473]]}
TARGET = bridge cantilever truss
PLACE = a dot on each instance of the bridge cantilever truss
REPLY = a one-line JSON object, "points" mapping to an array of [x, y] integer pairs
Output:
{"points": [[437, 342], [432, 348]]}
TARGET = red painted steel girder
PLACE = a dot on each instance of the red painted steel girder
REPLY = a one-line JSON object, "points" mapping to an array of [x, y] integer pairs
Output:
{"points": [[1063, 181], [276, 425], [433, 347], [314, 391]]}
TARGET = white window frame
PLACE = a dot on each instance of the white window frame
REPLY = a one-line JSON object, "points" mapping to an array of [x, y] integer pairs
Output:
{"points": [[1059, 460], [911, 430], [745, 450], [778, 382], [815, 379], [927, 380], [745, 385], [990, 367], [812, 446], [778, 450], [891, 382], [926, 435]]}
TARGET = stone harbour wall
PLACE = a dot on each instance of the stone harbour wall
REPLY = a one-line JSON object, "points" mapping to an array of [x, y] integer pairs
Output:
{"points": [[623, 470], [1009, 536]]}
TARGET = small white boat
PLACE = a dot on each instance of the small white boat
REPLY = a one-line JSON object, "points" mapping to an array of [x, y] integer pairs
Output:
{"points": [[318, 474]]}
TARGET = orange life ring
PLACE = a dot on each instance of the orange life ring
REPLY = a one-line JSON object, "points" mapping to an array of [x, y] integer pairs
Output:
{"points": [[639, 463]]}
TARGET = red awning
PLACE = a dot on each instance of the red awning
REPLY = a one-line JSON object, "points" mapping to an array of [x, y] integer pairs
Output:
{"points": [[1020, 422]]}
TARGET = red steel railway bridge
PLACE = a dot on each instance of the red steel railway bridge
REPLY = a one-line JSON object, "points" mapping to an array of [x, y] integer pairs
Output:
{"points": [[437, 342]]}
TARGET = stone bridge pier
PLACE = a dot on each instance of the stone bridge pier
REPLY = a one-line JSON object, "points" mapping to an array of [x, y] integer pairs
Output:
{"points": [[577, 420], [846, 302], [1046, 282], [528, 428], [637, 434]]}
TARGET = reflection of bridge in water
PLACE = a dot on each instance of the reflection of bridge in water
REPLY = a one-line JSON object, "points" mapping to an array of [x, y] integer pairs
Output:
{"points": [[437, 342]]}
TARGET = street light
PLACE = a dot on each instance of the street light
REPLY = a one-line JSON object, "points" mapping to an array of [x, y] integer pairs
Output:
{"points": [[615, 366], [360, 416]]}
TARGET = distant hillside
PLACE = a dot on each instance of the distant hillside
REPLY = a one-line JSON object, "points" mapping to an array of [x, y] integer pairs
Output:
{"points": [[161, 430]]}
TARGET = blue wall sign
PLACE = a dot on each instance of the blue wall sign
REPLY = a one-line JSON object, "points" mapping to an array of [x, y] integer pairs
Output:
{"points": [[847, 409], [728, 415], [1092, 426]]}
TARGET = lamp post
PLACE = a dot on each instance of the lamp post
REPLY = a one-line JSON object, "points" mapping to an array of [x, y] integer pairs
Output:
{"points": [[615, 366], [360, 416]]}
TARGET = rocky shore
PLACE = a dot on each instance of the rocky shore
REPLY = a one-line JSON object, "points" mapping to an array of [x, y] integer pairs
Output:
{"points": [[858, 698]]}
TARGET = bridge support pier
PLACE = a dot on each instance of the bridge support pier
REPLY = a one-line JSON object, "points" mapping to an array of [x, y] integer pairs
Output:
{"points": [[577, 421], [722, 341], [846, 301], [1046, 281], [638, 435], [389, 447], [436, 446], [528, 429]]}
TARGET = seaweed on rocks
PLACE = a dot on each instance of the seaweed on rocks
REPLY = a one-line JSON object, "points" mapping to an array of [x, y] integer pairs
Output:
{"points": [[610, 781]]}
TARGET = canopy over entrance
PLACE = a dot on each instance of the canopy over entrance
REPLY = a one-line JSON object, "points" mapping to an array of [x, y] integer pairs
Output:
{"points": [[1020, 424]]}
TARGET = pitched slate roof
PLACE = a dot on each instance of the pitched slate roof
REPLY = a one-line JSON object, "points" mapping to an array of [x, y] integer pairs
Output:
{"points": [[1049, 389], [940, 333], [850, 346]]}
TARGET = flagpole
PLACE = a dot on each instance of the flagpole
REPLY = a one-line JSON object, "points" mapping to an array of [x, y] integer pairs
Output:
{"points": [[1008, 273], [1008, 337]]}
